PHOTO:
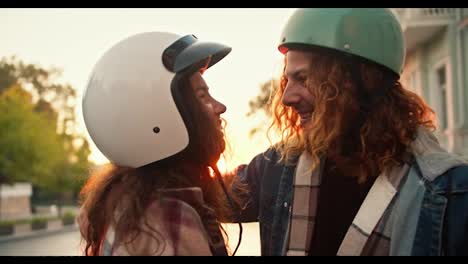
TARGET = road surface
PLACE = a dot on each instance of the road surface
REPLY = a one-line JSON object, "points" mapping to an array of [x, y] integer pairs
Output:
{"points": [[67, 243]]}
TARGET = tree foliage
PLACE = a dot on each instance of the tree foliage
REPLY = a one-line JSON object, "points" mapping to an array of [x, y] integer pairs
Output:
{"points": [[38, 137], [261, 103], [29, 147]]}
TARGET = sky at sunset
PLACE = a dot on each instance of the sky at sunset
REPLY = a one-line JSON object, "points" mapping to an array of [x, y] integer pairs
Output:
{"points": [[74, 39]]}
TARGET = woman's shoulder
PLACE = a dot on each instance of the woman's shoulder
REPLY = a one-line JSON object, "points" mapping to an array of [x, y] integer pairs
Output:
{"points": [[177, 207], [180, 222], [170, 226]]}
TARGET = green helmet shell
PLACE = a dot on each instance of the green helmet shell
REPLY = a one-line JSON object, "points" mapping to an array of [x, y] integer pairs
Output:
{"points": [[371, 33]]}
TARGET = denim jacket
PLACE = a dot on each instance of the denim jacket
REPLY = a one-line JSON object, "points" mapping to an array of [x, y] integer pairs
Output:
{"points": [[427, 216]]}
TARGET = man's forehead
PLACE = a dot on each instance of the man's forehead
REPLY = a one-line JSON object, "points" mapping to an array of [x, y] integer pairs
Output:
{"points": [[297, 62], [295, 69]]}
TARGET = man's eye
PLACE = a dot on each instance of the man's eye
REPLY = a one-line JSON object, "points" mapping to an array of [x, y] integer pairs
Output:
{"points": [[302, 80]]}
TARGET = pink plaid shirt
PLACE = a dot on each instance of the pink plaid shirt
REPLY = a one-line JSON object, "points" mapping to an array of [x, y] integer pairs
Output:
{"points": [[179, 224]]}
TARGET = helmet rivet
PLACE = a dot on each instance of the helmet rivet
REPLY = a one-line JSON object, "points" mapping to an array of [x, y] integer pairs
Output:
{"points": [[347, 46], [156, 130]]}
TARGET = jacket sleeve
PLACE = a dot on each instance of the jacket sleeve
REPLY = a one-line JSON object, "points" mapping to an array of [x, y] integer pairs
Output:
{"points": [[456, 222], [250, 177]]}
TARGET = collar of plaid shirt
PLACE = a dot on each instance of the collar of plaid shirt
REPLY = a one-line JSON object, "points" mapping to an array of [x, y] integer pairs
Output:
{"points": [[302, 218], [431, 159]]}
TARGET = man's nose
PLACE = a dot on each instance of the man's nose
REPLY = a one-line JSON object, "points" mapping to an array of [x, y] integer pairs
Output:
{"points": [[291, 95]]}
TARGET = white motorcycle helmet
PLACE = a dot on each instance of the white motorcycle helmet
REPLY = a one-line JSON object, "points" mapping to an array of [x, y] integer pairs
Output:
{"points": [[131, 107]]}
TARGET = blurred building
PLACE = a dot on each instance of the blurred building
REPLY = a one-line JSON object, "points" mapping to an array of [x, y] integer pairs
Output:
{"points": [[15, 201], [436, 67]]}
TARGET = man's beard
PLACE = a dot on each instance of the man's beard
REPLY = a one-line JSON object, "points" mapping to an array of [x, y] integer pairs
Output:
{"points": [[341, 131]]}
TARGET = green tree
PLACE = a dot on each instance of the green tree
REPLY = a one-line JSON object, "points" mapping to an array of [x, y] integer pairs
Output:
{"points": [[48, 94], [261, 103], [29, 144], [39, 126]]}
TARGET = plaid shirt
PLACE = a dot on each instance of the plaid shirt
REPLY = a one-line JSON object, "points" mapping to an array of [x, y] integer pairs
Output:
{"points": [[304, 208], [369, 233], [180, 223]]}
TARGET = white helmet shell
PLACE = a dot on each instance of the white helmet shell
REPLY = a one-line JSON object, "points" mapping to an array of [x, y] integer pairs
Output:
{"points": [[128, 107]]}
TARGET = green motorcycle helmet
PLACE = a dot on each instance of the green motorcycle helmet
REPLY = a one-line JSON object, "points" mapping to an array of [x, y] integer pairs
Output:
{"points": [[370, 33]]}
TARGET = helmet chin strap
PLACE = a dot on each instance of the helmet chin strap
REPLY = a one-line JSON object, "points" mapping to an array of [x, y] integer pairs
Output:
{"points": [[230, 201]]}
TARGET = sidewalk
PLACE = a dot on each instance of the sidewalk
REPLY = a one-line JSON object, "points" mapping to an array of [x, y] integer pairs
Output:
{"points": [[37, 233]]}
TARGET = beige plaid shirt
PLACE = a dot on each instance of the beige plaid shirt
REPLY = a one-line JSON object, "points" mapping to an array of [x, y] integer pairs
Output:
{"points": [[367, 234], [302, 219]]}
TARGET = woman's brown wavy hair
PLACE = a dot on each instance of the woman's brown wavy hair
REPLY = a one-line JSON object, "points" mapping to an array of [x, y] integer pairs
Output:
{"points": [[114, 186], [363, 118]]}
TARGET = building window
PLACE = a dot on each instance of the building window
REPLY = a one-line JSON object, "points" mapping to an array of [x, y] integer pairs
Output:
{"points": [[412, 82], [441, 86]]}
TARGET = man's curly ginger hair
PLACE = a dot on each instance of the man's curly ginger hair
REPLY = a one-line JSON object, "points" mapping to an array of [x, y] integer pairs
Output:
{"points": [[363, 118]]}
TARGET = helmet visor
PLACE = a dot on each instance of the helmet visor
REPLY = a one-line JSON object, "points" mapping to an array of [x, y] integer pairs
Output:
{"points": [[189, 53]]}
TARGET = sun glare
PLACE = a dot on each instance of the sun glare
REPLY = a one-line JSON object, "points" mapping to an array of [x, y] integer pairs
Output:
{"points": [[222, 165]]}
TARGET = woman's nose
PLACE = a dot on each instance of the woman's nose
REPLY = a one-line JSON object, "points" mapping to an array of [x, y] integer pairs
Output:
{"points": [[219, 107]]}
